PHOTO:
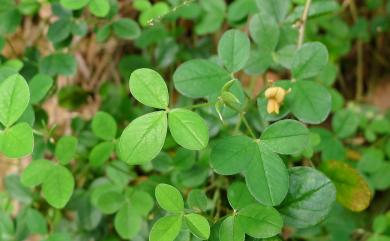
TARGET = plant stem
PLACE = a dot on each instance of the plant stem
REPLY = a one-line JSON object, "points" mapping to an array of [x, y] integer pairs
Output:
{"points": [[303, 23], [248, 126]]}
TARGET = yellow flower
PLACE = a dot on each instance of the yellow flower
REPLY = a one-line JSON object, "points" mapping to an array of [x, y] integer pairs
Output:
{"points": [[275, 96]]}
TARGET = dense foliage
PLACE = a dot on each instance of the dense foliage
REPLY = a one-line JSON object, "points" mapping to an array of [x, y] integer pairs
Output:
{"points": [[238, 125]]}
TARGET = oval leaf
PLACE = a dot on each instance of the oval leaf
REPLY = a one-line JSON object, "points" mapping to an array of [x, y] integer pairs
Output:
{"points": [[309, 60], [58, 186], [17, 141], [14, 98], [352, 190], [104, 126], [66, 149], [232, 154], [169, 198], [188, 129], [310, 198], [143, 138], [233, 50], [259, 221], [286, 137], [199, 78], [311, 102], [198, 225], [149, 88], [166, 228], [36, 172], [267, 177]]}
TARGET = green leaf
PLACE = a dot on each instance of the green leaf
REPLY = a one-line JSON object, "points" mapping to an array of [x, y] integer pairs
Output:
{"points": [[199, 78], [58, 186], [286, 137], [197, 200], [166, 228], [142, 202], [311, 102], [231, 230], [58, 64], [198, 225], [278, 9], [60, 30], [66, 149], [239, 196], [309, 60], [310, 198], [126, 28], [233, 50], [104, 126], [188, 129], [14, 98], [99, 8], [154, 12], [36, 222], [17, 141], [149, 88], [110, 201], [352, 191], [264, 31], [371, 160], [259, 221], [345, 123], [39, 87], [169, 198], [74, 4], [143, 138], [36, 172], [101, 153], [232, 154], [267, 177], [127, 223]]}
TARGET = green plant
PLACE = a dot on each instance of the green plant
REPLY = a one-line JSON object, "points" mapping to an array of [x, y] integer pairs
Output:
{"points": [[199, 151]]}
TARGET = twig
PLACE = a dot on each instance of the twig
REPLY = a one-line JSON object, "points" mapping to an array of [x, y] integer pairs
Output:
{"points": [[303, 23]]}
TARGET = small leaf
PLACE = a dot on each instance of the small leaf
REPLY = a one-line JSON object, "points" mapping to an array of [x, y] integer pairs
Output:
{"points": [[309, 60], [345, 123], [166, 228], [17, 141], [39, 87], [36, 222], [74, 4], [104, 126], [239, 196], [126, 28], [233, 50], [231, 230], [60, 30], [232, 154], [352, 191], [264, 31], [36, 173], [149, 88], [58, 186], [267, 177], [310, 198], [278, 9], [259, 221], [58, 64], [188, 129], [99, 8], [169, 198], [198, 225], [199, 78], [197, 200], [127, 223], [14, 98], [286, 137], [66, 149], [311, 102], [101, 153], [143, 138], [110, 201]]}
